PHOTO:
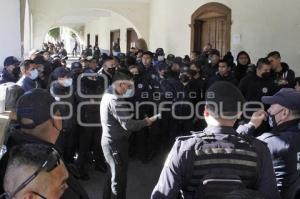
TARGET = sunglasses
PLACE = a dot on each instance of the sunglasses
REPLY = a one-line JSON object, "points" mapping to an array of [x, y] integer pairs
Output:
{"points": [[52, 161]]}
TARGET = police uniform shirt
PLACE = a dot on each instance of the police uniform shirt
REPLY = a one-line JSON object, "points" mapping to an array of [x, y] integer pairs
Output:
{"points": [[284, 145], [254, 88], [179, 167]]}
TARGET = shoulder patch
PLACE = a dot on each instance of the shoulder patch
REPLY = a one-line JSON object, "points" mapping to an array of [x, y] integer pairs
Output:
{"points": [[265, 90], [183, 138], [140, 86]]}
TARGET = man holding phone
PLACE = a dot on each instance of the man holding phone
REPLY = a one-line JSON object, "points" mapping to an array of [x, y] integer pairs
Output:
{"points": [[117, 123]]}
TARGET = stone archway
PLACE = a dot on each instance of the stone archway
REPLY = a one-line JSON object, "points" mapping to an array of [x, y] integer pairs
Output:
{"points": [[211, 23]]}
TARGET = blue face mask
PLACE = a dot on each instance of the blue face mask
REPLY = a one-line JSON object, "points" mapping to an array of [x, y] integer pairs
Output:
{"points": [[67, 82], [129, 93], [34, 74]]}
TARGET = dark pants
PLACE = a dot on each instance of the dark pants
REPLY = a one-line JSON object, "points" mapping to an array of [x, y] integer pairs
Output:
{"points": [[148, 142], [116, 155], [66, 143], [90, 139]]}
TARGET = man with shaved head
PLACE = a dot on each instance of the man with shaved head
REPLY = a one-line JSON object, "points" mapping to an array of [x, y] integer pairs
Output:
{"points": [[35, 171]]}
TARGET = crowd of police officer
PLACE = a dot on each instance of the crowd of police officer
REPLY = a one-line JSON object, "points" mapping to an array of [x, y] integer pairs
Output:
{"points": [[163, 84]]}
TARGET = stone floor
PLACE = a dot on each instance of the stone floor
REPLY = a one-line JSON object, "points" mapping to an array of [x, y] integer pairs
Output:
{"points": [[141, 179]]}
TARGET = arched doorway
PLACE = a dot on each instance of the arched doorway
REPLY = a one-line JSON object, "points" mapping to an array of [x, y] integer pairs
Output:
{"points": [[211, 23]]}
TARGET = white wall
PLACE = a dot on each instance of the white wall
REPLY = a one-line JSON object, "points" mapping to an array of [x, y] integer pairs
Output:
{"points": [[263, 26], [102, 28], [10, 36], [27, 29], [48, 14]]}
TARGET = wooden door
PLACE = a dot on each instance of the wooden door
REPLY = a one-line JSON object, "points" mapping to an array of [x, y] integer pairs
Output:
{"points": [[214, 32], [211, 23]]}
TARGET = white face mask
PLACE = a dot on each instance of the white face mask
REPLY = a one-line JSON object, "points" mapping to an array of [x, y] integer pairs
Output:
{"points": [[67, 82], [129, 93], [160, 58], [34, 74]]}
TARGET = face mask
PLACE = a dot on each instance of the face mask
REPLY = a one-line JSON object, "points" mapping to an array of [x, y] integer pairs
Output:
{"points": [[160, 58], [129, 93], [111, 71], [34, 74], [266, 75], [184, 78], [193, 72], [175, 73], [67, 82], [272, 120]]}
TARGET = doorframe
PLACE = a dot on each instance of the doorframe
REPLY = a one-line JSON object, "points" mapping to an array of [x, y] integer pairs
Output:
{"points": [[127, 38], [97, 40], [111, 39], [88, 39], [212, 7]]}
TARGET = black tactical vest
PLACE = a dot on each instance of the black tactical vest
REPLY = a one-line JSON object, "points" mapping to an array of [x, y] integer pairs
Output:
{"points": [[223, 163]]}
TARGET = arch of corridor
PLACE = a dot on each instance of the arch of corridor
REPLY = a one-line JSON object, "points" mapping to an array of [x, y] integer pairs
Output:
{"points": [[89, 18]]}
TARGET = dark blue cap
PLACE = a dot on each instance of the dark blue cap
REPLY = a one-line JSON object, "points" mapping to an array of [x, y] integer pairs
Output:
{"points": [[61, 72], [11, 60], [76, 65], [162, 66], [34, 108], [287, 97]]}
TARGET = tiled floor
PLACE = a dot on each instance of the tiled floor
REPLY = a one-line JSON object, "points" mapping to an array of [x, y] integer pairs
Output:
{"points": [[141, 179]]}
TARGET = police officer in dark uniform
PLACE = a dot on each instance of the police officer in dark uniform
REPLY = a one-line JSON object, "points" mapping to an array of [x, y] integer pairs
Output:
{"points": [[29, 76], [218, 160], [283, 76], [62, 91], [224, 74], [211, 68], [108, 69], [39, 126], [283, 140], [91, 89], [256, 85], [11, 65], [148, 90], [173, 91], [76, 70], [198, 86], [159, 57]]}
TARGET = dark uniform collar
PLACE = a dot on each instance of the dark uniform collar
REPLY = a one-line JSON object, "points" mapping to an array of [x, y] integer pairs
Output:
{"points": [[292, 124], [219, 129]]}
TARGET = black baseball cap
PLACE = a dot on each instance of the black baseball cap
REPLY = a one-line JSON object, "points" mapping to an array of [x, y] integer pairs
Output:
{"points": [[122, 74], [76, 65], [61, 72], [11, 60], [287, 97], [227, 98], [35, 106]]}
